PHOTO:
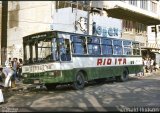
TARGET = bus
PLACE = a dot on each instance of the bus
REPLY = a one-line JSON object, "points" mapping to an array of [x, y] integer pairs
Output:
{"points": [[52, 58]]}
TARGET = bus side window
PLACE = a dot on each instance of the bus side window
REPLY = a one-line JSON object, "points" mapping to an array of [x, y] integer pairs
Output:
{"points": [[127, 50], [106, 46], [117, 47], [94, 49], [65, 51], [117, 50], [136, 48], [93, 44], [79, 45], [78, 48]]}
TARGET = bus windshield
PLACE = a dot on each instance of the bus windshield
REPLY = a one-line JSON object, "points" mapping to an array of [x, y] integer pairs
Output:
{"points": [[46, 49], [41, 50]]}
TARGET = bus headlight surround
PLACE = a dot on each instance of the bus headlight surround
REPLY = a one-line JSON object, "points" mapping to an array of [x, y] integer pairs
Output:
{"points": [[25, 75], [54, 73], [50, 73]]}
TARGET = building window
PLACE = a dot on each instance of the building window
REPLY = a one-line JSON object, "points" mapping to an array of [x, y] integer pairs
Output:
{"points": [[153, 7], [152, 29], [140, 28], [158, 28], [133, 2], [127, 25], [74, 4], [143, 4]]}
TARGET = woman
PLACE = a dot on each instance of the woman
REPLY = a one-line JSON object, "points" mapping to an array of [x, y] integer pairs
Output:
{"points": [[1, 94]]}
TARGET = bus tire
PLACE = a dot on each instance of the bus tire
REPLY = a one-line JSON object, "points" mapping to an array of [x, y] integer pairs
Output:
{"points": [[79, 81], [123, 77], [50, 86]]}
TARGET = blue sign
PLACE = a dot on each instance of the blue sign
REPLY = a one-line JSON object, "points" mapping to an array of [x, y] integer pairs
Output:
{"points": [[98, 30]]}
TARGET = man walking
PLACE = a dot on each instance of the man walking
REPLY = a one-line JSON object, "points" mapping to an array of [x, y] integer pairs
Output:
{"points": [[8, 72]]}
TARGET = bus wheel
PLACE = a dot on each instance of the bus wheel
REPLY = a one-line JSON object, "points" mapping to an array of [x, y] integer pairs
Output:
{"points": [[123, 77], [79, 81], [50, 86]]}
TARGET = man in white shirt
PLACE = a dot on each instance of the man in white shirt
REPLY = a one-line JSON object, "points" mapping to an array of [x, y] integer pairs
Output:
{"points": [[8, 72], [144, 65], [152, 65]]}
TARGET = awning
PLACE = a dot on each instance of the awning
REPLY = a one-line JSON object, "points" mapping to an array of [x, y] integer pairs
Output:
{"points": [[123, 13], [152, 46]]}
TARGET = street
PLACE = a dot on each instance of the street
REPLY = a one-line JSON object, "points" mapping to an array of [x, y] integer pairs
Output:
{"points": [[138, 93]]}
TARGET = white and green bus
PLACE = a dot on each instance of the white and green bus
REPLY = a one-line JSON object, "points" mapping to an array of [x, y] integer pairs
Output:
{"points": [[55, 57]]}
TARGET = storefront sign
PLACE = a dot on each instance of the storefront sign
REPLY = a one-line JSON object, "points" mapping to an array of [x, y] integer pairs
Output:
{"points": [[102, 31]]}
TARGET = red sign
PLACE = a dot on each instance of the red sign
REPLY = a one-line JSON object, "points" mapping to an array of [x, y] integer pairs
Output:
{"points": [[109, 61]]}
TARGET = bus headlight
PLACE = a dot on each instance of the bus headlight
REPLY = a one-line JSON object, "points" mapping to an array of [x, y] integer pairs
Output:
{"points": [[50, 73], [54, 73], [25, 75]]}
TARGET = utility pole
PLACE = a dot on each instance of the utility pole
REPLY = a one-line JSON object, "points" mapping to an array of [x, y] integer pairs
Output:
{"points": [[4, 31], [88, 17]]}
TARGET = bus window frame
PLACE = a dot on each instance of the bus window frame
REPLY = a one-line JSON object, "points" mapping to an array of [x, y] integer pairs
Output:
{"points": [[127, 45], [93, 38], [82, 42], [117, 46], [106, 44], [136, 48], [67, 55]]}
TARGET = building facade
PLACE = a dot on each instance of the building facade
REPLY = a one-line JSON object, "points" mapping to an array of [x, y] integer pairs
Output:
{"points": [[139, 17], [24, 18]]}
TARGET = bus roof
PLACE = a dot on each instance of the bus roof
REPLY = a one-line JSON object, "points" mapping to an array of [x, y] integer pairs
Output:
{"points": [[49, 32]]}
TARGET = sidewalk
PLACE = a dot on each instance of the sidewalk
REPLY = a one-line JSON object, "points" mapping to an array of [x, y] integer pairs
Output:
{"points": [[149, 73], [20, 86]]}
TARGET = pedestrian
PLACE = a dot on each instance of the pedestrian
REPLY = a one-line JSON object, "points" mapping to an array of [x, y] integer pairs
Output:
{"points": [[144, 65], [1, 86], [1, 95], [15, 67], [8, 72], [20, 64], [151, 65], [1, 76], [8, 61], [148, 65]]}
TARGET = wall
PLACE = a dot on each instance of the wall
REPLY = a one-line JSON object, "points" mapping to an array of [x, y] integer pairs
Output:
{"points": [[151, 35], [105, 26], [24, 18]]}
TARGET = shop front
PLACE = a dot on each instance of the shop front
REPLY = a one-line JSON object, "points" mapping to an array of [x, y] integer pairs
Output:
{"points": [[152, 51]]}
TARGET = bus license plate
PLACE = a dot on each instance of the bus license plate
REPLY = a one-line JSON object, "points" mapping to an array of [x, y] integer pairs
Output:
{"points": [[36, 81]]}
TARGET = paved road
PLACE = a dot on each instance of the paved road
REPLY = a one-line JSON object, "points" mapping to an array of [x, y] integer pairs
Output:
{"points": [[109, 96]]}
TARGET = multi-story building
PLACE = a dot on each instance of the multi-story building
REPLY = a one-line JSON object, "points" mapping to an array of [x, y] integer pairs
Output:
{"points": [[120, 19], [153, 33], [136, 16]]}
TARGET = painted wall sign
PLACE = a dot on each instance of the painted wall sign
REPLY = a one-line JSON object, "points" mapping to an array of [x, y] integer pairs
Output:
{"points": [[81, 24], [110, 61], [102, 31]]}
